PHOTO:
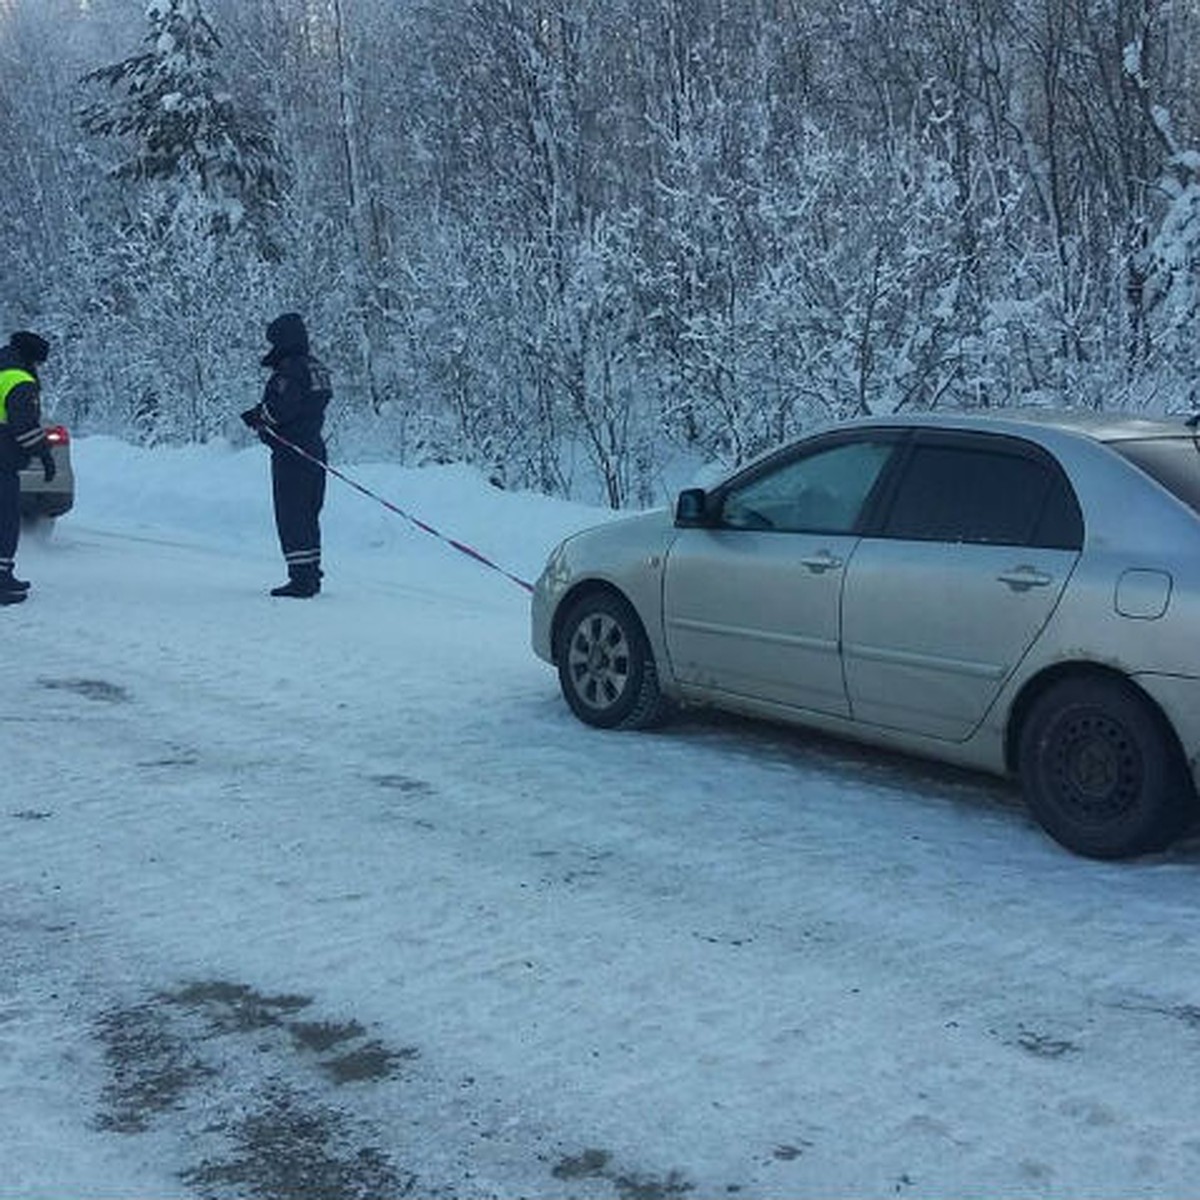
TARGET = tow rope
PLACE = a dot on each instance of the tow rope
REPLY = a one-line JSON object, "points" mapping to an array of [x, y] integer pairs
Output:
{"points": [[424, 526]]}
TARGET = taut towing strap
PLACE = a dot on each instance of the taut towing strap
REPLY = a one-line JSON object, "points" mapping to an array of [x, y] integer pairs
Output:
{"points": [[461, 547]]}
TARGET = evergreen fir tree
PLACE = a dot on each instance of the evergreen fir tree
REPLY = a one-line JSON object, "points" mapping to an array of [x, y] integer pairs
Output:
{"points": [[178, 122]]}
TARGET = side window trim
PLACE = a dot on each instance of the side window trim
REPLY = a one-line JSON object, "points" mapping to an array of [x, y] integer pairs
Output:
{"points": [[878, 503]]}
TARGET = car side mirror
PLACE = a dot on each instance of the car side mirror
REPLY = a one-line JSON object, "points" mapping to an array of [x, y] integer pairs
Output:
{"points": [[691, 509]]}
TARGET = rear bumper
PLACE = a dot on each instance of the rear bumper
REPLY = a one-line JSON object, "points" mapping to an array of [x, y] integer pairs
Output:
{"points": [[42, 499], [46, 504]]}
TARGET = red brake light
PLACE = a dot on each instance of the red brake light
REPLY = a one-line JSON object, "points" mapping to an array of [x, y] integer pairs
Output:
{"points": [[57, 435]]}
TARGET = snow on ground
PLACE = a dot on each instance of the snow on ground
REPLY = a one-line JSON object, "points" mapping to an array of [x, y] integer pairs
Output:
{"points": [[335, 898]]}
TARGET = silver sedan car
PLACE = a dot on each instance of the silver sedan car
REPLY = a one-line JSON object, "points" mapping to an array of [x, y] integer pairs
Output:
{"points": [[42, 501], [1016, 593]]}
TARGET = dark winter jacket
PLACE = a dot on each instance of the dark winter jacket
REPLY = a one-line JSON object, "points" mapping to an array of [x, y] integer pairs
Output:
{"points": [[298, 391], [21, 435]]}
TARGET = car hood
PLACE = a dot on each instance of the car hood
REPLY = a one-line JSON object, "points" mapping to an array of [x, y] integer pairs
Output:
{"points": [[648, 530]]}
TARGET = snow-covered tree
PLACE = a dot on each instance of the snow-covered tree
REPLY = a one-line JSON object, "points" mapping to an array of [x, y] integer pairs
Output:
{"points": [[178, 122], [572, 240]]}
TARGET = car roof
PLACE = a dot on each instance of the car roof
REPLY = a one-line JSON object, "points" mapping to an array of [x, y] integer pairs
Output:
{"points": [[1097, 425]]}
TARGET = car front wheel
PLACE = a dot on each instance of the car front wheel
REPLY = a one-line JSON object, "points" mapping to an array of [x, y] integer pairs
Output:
{"points": [[605, 665], [1101, 770]]}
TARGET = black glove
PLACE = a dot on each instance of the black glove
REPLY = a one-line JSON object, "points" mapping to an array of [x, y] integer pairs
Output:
{"points": [[253, 418], [49, 468]]}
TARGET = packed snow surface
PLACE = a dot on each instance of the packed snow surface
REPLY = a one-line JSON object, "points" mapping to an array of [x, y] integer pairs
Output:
{"points": [[336, 898]]}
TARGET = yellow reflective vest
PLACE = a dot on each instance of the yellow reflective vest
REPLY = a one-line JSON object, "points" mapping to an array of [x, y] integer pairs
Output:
{"points": [[9, 379]]}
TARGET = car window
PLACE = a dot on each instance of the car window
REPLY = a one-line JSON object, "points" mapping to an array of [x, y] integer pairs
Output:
{"points": [[997, 494], [1173, 462], [822, 492]]}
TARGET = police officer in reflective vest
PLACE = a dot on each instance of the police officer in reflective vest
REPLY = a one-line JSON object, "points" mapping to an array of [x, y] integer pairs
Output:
{"points": [[21, 438], [293, 407]]}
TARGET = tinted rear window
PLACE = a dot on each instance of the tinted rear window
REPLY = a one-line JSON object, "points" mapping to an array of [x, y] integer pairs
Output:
{"points": [[1173, 462], [984, 491]]}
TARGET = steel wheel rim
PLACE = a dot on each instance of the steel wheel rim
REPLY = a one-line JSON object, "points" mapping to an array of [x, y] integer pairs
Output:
{"points": [[1095, 767], [598, 661]]}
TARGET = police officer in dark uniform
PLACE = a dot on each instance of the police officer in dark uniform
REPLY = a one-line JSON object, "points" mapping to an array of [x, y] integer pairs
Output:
{"points": [[21, 438], [293, 407]]}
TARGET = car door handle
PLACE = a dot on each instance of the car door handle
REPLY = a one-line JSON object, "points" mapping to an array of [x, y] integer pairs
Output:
{"points": [[821, 562], [1021, 579]]}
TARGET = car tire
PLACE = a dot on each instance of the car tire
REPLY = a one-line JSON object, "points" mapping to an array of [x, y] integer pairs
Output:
{"points": [[1101, 771], [605, 665]]}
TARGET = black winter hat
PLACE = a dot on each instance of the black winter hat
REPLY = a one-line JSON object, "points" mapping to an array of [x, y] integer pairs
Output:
{"points": [[288, 338], [31, 347]]}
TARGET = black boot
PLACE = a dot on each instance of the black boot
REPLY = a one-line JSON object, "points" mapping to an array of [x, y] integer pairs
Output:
{"points": [[12, 590], [303, 581]]}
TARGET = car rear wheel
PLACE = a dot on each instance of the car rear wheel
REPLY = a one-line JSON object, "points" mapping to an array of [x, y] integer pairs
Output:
{"points": [[1101, 770], [605, 665]]}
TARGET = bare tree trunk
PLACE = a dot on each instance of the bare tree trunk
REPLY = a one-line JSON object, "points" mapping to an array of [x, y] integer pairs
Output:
{"points": [[363, 270]]}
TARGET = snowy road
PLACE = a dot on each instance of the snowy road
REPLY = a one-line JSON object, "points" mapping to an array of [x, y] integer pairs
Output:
{"points": [[303, 899]]}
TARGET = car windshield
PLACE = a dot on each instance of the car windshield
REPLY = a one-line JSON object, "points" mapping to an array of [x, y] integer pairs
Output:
{"points": [[1172, 461]]}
